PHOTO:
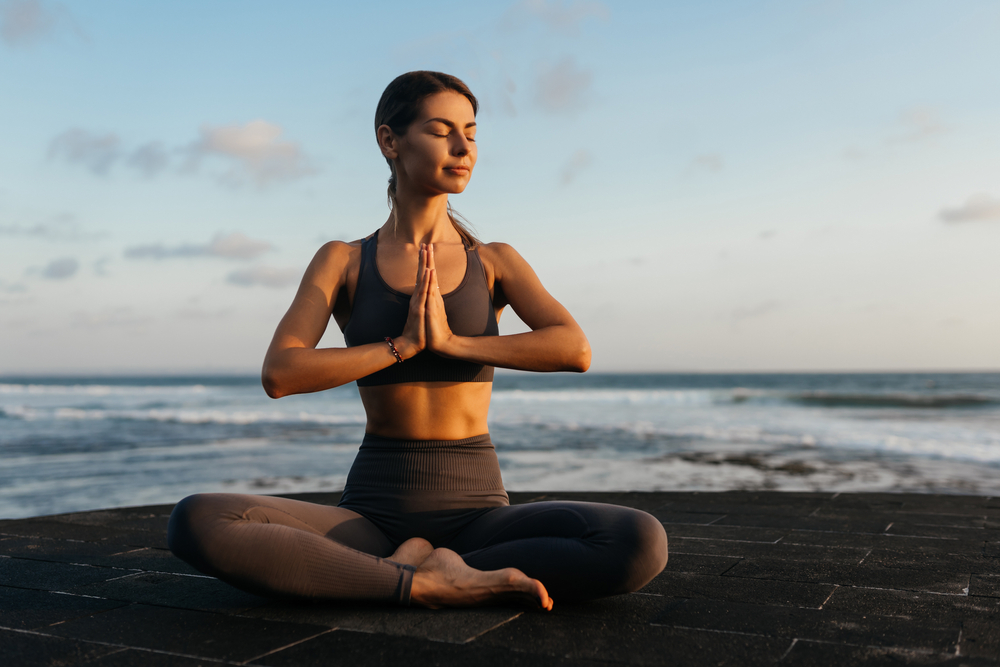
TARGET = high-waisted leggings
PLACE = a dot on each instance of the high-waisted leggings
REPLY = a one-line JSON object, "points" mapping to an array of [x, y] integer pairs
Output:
{"points": [[287, 548]]}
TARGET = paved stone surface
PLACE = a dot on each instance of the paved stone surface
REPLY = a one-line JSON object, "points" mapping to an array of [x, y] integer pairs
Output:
{"points": [[754, 578]]}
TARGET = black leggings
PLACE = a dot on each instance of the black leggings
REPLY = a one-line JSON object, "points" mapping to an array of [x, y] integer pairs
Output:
{"points": [[293, 549]]}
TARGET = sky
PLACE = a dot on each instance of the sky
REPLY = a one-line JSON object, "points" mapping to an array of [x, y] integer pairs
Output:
{"points": [[722, 186]]}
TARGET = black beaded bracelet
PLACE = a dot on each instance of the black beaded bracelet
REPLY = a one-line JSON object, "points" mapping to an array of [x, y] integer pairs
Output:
{"points": [[395, 352]]}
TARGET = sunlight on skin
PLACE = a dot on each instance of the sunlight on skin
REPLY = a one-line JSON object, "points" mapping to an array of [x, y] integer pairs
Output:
{"points": [[443, 579]]}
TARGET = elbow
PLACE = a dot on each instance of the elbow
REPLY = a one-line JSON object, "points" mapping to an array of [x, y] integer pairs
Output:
{"points": [[580, 362], [273, 386]]}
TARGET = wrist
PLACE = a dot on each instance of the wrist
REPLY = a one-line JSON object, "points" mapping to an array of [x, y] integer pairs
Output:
{"points": [[449, 345], [406, 348]]}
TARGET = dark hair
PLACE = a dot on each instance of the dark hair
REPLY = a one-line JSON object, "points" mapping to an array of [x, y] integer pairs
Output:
{"points": [[398, 108]]}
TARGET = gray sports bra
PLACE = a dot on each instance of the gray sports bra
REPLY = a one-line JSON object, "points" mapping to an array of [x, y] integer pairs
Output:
{"points": [[381, 311]]}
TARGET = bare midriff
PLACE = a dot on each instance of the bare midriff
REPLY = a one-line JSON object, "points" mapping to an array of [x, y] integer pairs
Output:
{"points": [[427, 410]]}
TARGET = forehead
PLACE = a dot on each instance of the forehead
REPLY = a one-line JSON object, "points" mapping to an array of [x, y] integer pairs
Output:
{"points": [[453, 106]]}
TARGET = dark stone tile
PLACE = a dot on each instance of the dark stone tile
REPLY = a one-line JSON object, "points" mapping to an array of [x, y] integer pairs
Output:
{"points": [[932, 581], [66, 551], [914, 518], [72, 531], [152, 518], [46, 576], [736, 589], [192, 633], [981, 637], [171, 590], [992, 549], [33, 650], [132, 657], [944, 504], [698, 519], [626, 610], [26, 609], [348, 647], [928, 545], [148, 560], [455, 626], [861, 524], [578, 638], [909, 605], [95, 553], [816, 654], [780, 551], [931, 560], [786, 508], [985, 585], [720, 532], [840, 627], [945, 532], [699, 563]]}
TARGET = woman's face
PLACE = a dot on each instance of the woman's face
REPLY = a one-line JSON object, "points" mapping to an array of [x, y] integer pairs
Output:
{"points": [[438, 151]]}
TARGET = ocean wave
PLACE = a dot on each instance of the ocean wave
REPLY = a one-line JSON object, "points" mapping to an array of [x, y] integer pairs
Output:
{"points": [[180, 416], [687, 397], [893, 400], [630, 396], [98, 389]]}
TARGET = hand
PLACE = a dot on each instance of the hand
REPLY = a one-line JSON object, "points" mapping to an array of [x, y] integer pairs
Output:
{"points": [[414, 338], [438, 333]]}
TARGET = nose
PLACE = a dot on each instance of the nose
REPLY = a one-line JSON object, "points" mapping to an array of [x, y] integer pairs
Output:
{"points": [[461, 146]]}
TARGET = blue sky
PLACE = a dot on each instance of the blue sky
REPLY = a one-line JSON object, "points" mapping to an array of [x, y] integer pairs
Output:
{"points": [[707, 186]]}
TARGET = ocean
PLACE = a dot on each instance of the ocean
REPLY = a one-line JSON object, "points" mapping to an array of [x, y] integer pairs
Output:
{"points": [[81, 443]]}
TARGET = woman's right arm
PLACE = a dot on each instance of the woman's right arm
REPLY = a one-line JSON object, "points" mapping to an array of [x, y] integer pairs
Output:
{"points": [[293, 365]]}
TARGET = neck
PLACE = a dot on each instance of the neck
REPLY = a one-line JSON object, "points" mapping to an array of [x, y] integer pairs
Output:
{"points": [[419, 219]]}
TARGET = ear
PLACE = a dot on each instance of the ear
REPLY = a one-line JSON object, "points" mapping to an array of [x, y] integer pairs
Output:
{"points": [[388, 142]]}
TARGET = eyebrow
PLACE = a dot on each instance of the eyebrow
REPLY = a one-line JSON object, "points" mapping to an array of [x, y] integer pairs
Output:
{"points": [[448, 122]]}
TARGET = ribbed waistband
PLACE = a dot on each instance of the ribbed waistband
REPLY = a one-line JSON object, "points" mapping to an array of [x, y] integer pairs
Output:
{"points": [[469, 464]]}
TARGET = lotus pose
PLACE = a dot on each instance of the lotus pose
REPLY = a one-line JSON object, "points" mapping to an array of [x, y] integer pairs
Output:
{"points": [[424, 518]]}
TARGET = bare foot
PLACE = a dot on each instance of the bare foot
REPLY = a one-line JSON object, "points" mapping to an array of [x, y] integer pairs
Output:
{"points": [[413, 551], [444, 580]]}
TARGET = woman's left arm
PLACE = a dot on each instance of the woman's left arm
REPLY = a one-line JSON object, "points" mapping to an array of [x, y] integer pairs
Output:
{"points": [[555, 343]]}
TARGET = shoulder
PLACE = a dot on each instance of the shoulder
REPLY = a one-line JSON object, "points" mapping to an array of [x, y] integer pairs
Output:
{"points": [[334, 259], [501, 259]]}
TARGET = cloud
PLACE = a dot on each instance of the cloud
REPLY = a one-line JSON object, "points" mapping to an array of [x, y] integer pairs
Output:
{"points": [[978, 207], [562, 87], [255, 151], [564, 17], [60, 269], [149, 159], [98, 153], [25, 21], [265, 276], [231, 246], [579, 161], [62, 227], [13, 288], [710, 162], [918, 124]]}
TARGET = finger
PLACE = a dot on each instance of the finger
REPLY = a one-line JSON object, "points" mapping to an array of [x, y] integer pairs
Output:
{"points": [[421, 264]]}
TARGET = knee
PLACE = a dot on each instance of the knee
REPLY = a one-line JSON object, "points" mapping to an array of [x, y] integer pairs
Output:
{"points": [[647, 541], [187, 524]]}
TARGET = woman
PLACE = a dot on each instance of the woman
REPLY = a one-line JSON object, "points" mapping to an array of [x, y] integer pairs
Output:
{"points": [[424, 518]]}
